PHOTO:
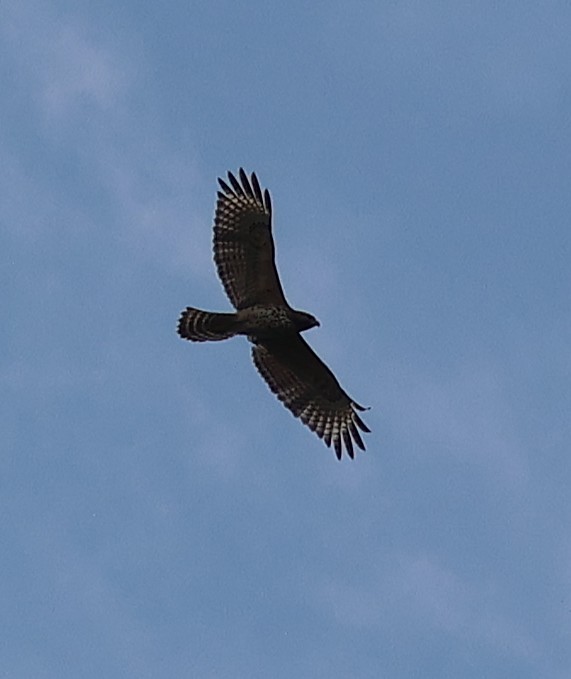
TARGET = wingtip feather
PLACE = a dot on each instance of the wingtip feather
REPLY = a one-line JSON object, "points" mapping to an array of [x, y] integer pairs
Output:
{"points": [[338, 448], [257, 188], [243, 176], [267, 201], [348, 443], [236, 184], [356, 436], [359, 422], [225, 188]]}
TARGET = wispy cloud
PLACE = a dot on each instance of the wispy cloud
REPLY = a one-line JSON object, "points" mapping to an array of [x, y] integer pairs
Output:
{"points": [[509, 60], [87, 93], [465, 415], [417, 592], [68, 71]]}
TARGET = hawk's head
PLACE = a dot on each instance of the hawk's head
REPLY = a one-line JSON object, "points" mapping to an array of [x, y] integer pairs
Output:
{"points": [[304, 321]]}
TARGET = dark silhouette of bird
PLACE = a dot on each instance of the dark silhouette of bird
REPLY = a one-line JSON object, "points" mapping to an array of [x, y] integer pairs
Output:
{"points": [[244, 254]]}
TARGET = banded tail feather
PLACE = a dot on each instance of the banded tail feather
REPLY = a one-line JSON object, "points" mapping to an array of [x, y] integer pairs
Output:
{"points": [[205, 326]]}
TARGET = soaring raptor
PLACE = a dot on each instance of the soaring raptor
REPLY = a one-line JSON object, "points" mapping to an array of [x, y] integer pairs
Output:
{"points": [[245, 258]]}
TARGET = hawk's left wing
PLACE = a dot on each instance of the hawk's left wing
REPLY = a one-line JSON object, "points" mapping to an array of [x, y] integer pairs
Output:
{"points": [[305, 385], [243, 244]]}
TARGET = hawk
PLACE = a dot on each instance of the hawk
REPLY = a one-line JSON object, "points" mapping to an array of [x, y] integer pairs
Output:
{"points": [[244, 254]]}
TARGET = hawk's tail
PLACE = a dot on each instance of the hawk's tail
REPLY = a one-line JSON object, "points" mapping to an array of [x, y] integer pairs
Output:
{"points": [[204, 326]]}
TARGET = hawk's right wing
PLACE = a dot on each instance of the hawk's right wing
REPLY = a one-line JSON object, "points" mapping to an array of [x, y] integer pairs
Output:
{"points": [[243, 244], [305, 385]]}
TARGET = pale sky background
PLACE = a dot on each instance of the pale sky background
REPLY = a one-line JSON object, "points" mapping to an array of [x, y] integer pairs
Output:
{"points": [[162, 515]]}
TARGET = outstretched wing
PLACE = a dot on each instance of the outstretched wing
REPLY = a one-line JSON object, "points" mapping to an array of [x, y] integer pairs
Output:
{"points": [[243, 244], [305, 385]]}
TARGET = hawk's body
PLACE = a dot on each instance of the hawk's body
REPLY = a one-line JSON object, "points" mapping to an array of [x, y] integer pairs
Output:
{"points": [[257, 322], [245, 258]]}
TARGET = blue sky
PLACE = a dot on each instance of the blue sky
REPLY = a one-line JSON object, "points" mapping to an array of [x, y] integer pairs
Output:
{"points": [[162, 514]]}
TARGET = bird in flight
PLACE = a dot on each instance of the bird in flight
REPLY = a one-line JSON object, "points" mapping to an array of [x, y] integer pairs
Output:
{"points": [[244, 254]]}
